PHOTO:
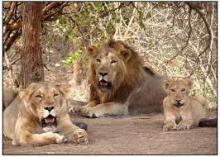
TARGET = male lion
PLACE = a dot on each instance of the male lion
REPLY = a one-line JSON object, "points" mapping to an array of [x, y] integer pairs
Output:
{"points": [[120, 84], [182, 111], [39, 116]]}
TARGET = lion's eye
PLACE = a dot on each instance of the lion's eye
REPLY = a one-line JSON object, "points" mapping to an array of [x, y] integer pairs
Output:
{"points": [[39, 97], [55, 94], [98, 60], [113, 61], [173, 90], [183, 90]]}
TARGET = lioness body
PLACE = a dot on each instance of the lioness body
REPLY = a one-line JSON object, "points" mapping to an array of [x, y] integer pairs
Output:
{"points": [[120, 84], [39, 112], [182, 111], [8, 96]]}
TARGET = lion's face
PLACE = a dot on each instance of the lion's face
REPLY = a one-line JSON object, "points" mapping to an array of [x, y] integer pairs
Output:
{"points": [[109, 66], [178, 91], [46, 102]]}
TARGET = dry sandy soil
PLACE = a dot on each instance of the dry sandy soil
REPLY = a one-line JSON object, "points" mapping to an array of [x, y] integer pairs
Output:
{"points": [[129, 135]]}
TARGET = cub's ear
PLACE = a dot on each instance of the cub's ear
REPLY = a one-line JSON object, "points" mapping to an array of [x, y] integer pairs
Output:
{"points": [[92, 50], [166, 84], [64, 88], [189, 83]]}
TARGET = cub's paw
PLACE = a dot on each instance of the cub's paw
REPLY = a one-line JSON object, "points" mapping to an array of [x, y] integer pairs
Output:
{"points": [[80, 136], [169, 126], [184, 125]]}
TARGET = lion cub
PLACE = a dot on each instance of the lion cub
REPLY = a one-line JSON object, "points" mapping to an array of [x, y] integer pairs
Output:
{"points": [[182, 111]]}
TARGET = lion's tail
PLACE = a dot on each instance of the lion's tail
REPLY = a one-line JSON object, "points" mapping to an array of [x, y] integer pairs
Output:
{"points": [[207, 122]]}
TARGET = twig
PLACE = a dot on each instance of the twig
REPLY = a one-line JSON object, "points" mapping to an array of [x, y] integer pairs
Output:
{"points": [[206, 24], [187, 41]]}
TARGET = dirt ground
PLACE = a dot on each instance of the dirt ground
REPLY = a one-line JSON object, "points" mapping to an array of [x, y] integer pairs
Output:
{"points": [[129, 135]]}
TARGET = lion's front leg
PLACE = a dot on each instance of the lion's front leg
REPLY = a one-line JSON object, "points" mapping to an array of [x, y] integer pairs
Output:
{"points": [[25, 137], [71, 131], [100, 110], [75, 107], [169, 119], [169, 125], [185, 125], [187, 121]]}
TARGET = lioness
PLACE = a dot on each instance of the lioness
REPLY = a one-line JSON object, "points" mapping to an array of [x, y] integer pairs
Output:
{"points": [[120, 84], [39, 116], [8, 96], [182, 111]]}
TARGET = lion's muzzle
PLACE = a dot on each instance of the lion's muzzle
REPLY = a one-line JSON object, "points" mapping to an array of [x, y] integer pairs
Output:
{"points": [[105, 84], [103, 80], [49, 121], [179, 103]]}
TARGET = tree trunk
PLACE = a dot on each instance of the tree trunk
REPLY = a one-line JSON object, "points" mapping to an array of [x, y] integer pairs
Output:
{"points": [[32, 69]]}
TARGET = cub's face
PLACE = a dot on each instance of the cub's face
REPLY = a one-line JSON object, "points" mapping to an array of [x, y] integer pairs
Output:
{"points": [[46, 102], [178, 91]]}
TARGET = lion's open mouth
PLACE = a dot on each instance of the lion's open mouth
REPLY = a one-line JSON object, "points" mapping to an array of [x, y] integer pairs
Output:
{"points": [[49, 121], [105, 84], [178, 105]]}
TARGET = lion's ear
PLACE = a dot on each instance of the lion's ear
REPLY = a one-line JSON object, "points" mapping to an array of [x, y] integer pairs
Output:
{"points": [[126, 54], [189, 83], [27, 92], [92, 50], [65, 88], [166, 84], [120, 47]]}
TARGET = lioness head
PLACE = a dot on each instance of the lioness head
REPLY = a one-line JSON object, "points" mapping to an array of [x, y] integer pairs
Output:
{"points": [[45, 102], [108, 64], [178, 91]]}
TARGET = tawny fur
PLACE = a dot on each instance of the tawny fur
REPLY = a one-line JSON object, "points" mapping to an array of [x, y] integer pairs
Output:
{"points": [[135, 89], [77, 72], [22, 118], [8, 96], [191, 111]]}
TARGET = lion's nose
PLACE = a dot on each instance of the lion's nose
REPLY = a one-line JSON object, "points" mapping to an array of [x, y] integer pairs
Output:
{"points": [[49, 108], [103, 74], [178, 101]]}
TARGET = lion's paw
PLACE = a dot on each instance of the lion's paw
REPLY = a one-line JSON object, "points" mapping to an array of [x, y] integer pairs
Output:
{"points": [[169, 126], [184, 126], [80, 136], [58, 138], [74, 109], [91, 112]]}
